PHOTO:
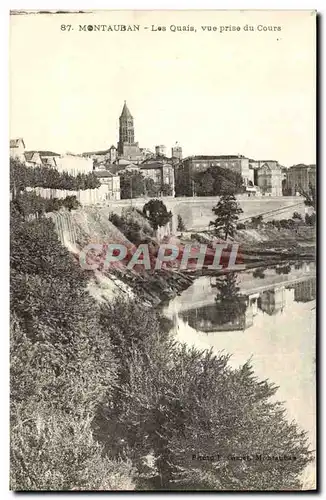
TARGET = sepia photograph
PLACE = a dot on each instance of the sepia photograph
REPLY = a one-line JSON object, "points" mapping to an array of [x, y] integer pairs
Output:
{"points": [[163, 216]]}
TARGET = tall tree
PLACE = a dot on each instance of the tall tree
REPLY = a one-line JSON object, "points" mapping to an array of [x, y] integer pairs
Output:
{"points": [[310, 196], [227, 211]]}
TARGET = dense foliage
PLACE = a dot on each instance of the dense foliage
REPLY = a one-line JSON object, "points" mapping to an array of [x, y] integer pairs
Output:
{"points": [[212, 182], [22, 176], [62, 365], [132, 224]]}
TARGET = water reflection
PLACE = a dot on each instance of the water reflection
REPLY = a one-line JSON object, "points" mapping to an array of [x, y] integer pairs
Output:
{"points": [[235, 309]]}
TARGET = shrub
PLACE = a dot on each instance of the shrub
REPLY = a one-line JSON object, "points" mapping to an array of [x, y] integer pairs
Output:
{"points": [[297, 215], [310, 219], [181, 225], [174, 403]]}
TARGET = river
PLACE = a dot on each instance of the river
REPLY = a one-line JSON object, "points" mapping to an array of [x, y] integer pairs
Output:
{"points": [[268, 315]]}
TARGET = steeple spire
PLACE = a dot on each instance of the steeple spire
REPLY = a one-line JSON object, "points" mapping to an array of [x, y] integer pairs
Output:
{"points": [[125, 111]]}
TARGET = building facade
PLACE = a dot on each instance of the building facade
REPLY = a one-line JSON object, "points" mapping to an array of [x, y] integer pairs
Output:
{"points": [[110, 185], [73, 164], [269, 178], [161, 171], [191, 165], [300, 178]]}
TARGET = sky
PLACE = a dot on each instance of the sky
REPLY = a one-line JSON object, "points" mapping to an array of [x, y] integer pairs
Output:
{"points": [[230, 92]]}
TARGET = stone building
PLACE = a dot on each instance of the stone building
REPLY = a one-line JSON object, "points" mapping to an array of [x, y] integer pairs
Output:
{"points": [[110, 185], [269, 178], [299, 178], [191, 165]]}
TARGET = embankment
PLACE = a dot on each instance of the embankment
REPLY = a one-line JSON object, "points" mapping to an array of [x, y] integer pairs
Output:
{"points": [[76, 229]]}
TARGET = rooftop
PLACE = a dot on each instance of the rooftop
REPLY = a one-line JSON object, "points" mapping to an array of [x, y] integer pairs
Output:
{"points": [[46, 153], [103, 173], [215, 157], [89, 153], [303, 165], [14, 143]]}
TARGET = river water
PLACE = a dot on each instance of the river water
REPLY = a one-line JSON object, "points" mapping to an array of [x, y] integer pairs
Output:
{"points": [[267, 315]]}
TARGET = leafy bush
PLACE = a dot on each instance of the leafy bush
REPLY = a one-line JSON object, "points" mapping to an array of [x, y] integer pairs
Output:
{"points": [[256, 221], [297, 215]]}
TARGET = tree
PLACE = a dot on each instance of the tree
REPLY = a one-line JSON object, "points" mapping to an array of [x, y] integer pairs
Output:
{"points": [[157, 214], [132, 185], [218, 180], [229, 303], [181, 225], [227, 211], [205, 184], [22, 176], [310, 196], [166, 190], [256, 221]]}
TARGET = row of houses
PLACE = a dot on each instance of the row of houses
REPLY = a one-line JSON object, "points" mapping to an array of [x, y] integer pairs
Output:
{"points": [[73, 165], [173, 175]]}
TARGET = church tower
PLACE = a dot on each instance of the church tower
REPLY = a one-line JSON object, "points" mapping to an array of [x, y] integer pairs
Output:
{"points": [[126, 129]]}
